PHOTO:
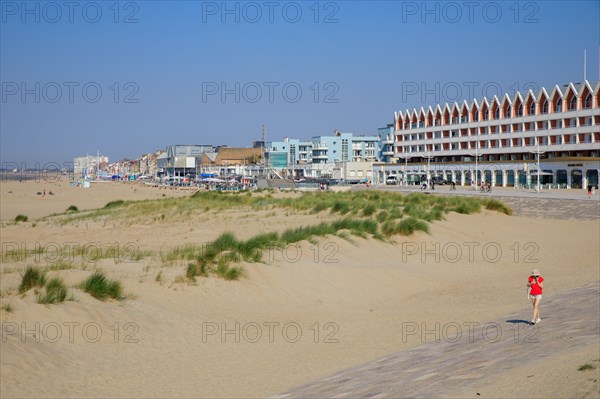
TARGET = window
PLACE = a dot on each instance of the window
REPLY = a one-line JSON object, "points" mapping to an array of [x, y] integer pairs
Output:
{"points": [[507, 112], [573, 104], [476, 116], [497, 113], [587, 103], [532, 108], [558, 106], [520, 110], [545, 107]]}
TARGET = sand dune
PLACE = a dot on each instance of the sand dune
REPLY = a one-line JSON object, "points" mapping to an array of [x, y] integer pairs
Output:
{"points": [[309, 311]]}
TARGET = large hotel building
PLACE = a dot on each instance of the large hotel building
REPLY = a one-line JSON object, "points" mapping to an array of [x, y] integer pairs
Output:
{"points": [[500, 139]]}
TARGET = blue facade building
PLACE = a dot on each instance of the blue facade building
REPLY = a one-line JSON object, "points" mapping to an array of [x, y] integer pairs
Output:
{"points": [[339, 147]]}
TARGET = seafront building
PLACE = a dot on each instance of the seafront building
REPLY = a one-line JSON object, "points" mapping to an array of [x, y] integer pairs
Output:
{"points": [[498, 140], [386, 143], [87, 165], [339, 147], [181, 160], [342, 156]]}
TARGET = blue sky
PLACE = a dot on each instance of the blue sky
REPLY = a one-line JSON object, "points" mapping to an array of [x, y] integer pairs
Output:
{"points": [[134, 77]]}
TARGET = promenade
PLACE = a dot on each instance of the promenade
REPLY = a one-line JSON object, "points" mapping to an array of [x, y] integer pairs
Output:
{"points": [[548, 204], [436, 369]]}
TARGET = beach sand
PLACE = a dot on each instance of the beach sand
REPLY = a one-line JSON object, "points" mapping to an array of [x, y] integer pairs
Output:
{"points": [[309, 311]]}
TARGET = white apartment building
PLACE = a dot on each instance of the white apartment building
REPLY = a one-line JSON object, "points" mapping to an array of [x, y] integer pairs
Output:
{"points": [[499, 140], [87, 165]]}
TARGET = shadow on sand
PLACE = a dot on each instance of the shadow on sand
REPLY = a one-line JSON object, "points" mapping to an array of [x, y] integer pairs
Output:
{"points": [[517, 321]]}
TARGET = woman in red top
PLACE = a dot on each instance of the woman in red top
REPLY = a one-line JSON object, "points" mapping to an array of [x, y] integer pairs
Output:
{"points": [[536, 283]]}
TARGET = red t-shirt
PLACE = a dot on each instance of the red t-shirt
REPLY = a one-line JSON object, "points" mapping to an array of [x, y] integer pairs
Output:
{"points": [[535, 288]]}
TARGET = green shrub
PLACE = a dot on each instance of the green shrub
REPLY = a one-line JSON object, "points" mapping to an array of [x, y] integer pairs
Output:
{"points": [[20, 218], [369, 210], [56, 291], [495, 205], [340, 207], [408, 226], [586, 366], [191, 271], [114, 204], [382, 216], [251, 249], [33, 277], [8, 308], [72, 208], [98, 286], [228, 272]]}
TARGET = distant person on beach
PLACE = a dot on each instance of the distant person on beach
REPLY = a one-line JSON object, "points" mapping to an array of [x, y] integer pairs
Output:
{"points": [[589, 191], [536, 283]]}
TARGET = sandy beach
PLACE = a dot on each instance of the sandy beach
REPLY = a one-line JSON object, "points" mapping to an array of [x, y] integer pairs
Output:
{"points": [[309, 310]]}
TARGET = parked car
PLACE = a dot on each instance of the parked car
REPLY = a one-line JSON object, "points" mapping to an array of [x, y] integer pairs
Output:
{"points": [[391, 180], [438, 180]]}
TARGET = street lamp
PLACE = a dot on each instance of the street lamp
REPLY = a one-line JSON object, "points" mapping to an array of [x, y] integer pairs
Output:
{"points": [[477, 155], [406, 158], [428, 168], [538, 153]]}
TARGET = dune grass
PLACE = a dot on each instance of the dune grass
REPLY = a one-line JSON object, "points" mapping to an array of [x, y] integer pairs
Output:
{"points": [[100, 287], [114, 204], [55, 292], [495, 205], [366, 214], [8, 308], [33, 277], [366, 203], [585, 367]]}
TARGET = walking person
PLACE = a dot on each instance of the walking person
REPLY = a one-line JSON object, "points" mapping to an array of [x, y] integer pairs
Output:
{"points": [[589, 187], [536, 282]]}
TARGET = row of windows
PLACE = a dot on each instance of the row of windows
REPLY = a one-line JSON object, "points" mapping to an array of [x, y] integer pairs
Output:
{"points": [[496, 113], [505, 143], [507, 128], [526, 156]]}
